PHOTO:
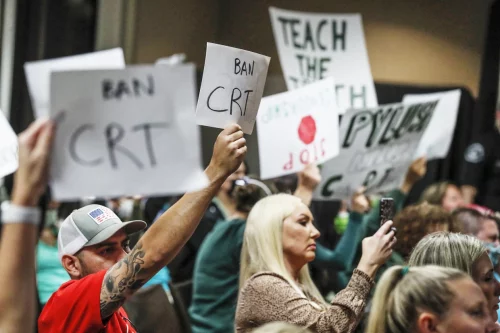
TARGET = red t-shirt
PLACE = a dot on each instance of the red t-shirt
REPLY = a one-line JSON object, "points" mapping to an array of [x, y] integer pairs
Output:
{"points": [[75, 308]]}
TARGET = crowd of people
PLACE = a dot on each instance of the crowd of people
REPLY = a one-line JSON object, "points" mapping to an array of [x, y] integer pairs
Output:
{"points": [[236, 255]]}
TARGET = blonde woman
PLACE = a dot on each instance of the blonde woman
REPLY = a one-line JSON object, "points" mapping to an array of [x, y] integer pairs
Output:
{"points": [[279, 242], [462, 252], [428, 299], [445, 194]]}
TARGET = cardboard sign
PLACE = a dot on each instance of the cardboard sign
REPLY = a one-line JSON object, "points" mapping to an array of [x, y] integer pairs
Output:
{"points": [[125, 132], [8, 147], [437, 138], [296, 128], [38, 73], [231, 88], [312, 46], [376, 148]]}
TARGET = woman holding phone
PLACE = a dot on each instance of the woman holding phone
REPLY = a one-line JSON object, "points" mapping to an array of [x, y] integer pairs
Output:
{"points": [[275, 285]]}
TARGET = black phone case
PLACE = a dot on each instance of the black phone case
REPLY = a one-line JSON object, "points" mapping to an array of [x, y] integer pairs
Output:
{"points": [[386, 210]]}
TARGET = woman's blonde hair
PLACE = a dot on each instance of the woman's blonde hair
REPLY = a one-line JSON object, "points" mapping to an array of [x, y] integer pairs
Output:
{"points": [[403, 293], [280, 327], [448, 250], [263, 243], [435, 193]]}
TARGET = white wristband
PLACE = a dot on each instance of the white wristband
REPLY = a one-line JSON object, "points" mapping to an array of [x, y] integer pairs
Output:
{"points": [[19, 214]]}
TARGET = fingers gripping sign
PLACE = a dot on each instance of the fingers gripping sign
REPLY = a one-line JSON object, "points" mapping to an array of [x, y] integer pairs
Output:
{"points": [[229, 150]]}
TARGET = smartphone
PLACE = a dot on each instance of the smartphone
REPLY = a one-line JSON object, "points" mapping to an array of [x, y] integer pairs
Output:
{"points": [[386, 210]]}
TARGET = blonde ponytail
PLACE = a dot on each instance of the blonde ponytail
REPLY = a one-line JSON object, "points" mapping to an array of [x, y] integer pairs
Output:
{"points": [[402, 291]]}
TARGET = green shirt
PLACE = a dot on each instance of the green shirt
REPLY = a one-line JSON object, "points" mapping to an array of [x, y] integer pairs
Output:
{"points": [[50, 274], [216, 278]]}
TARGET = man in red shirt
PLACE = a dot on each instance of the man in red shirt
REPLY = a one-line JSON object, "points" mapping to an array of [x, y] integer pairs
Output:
{"points": [[93, 247]]}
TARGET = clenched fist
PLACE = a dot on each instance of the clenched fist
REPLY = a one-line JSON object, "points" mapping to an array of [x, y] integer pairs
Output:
{"points": [[229, 151]]}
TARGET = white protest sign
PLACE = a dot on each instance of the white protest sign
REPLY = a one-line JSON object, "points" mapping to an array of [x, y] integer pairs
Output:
{"points": [[231, 88], [296, 128], [125, 132], [437, 138], [8, 147], [376, 148], [173, 60], [38, 73], [312, 46]]}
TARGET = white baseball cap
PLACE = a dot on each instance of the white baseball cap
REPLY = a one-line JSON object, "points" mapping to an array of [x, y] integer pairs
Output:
{"points": [[91, 225]]}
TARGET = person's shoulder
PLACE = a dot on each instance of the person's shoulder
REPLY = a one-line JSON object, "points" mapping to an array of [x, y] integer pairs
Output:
{"points": [[228, 227], [81, 286], [265, 280]]}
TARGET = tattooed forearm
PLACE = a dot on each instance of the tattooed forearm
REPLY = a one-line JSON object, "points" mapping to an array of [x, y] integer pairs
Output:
{"points": [[122, 280]]}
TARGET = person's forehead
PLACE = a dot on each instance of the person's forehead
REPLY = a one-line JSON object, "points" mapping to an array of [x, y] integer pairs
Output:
{"points": [[119, 237], [490, 225], [467, 292], [452, 190], [301, 210], [483, 264]]}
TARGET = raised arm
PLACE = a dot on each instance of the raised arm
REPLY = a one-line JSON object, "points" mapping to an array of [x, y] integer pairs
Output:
{"points": [[308, 179], [343, 255], [170, 232], [19, 238]]}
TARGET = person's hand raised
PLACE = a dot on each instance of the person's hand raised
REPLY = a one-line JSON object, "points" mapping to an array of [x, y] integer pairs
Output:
{"points": [[377, 249], [360, 202], [310, 177], [415, 172], [229, 151], [30, 179]]}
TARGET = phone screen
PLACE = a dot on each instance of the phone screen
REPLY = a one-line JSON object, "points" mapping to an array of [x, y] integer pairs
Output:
{"points": [[386, 210]]}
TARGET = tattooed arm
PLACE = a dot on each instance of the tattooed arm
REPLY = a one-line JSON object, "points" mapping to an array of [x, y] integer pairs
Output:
{"points": [[170, 232]]}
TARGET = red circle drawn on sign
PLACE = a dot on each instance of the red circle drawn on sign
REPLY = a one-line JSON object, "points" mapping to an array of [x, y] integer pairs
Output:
{"points": [[307, 130]]}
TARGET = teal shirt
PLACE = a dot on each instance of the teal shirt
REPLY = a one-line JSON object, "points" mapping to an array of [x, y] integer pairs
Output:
{"points": [[216, 278], [342, 256], [50, 273], [370, 225]]}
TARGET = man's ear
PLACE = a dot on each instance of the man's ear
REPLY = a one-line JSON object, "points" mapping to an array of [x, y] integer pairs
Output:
{"points": [[72, 265], [428, 323]]}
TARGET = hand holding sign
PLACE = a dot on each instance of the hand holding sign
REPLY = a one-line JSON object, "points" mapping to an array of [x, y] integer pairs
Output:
{"points": [[229, 152], [30, 179], [310, 177], [415, 172], [232, 86], [360, 202]]}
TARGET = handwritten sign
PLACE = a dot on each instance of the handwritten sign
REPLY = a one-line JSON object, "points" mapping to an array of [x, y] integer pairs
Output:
{"points": [[312, 46], [231, 88], [125, 132], [38, 73], [376, 148], [296, 128], [8, 147], [437, 138]]}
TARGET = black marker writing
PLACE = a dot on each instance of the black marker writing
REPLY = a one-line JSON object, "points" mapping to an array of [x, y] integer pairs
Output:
{"points": [[135, 88], [114, 134], [243, 67]]}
